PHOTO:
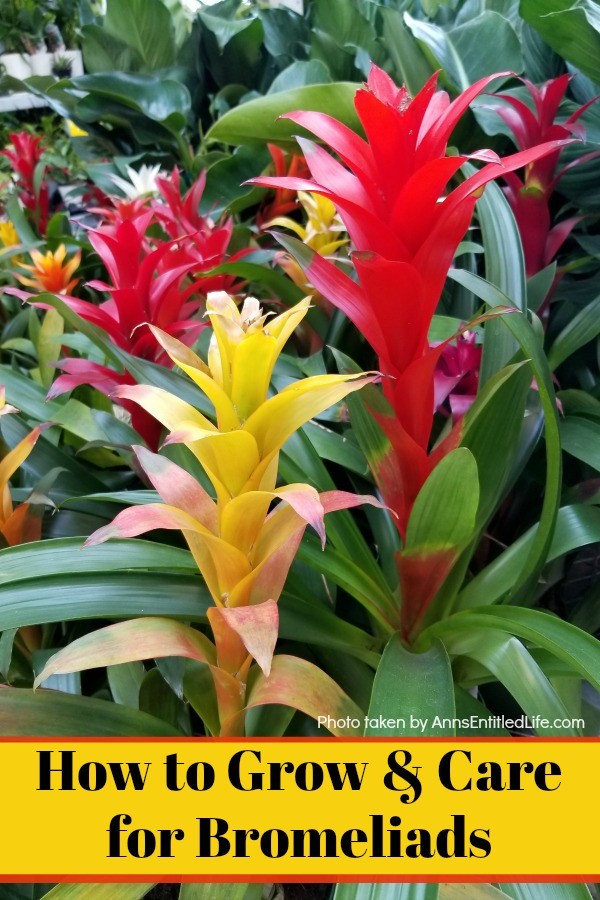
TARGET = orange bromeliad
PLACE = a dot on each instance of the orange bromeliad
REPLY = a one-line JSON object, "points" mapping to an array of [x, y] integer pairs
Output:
{"points": [[50, 272]]}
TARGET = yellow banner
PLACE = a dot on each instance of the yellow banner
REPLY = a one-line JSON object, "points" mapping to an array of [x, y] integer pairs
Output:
{"points": [[321, 810]]}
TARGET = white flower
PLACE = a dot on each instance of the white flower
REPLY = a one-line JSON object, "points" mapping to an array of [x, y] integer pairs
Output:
{"points": [[141, 183], [191, 8]]}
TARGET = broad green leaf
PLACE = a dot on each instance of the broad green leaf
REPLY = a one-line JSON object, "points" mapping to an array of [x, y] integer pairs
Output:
{"points": [[299, 74], [470, 892], [504, 268], [199, 690], [581, 329], [410, 65], [386, 892], [445, 509], [486, 44], [48, 345], [547, 891], [577, 649], [221, 891], [127, 641], [427, 690], [581, 438], [300, 462], [224, 28], [25, 713], [125, 681], [571, 28], [146, 26], [157, 699], [491, 430], [65, 556], [576, 526], [528, 342], [312, 622], [111, 595], [514, 666], [102, 52], [162, 100], [104, 891], [342, 569], [255, 122]]}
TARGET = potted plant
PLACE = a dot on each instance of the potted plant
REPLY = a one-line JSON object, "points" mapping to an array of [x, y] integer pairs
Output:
{"points": [[62, 66], [33, 18], [14, 60]]}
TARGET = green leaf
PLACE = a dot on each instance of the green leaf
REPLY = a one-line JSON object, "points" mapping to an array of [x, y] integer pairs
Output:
{"points": [[125, 681], [581, 438], [102, 52], [581, 329], [470, 892], [410, 65], [491, 430], [344, 571], [427, 690], [299, 74], [146, 26], [255, 122], [577, 649], [24, 713], [111, 595], [486, 44], [445, 509], [48, 345], [386, 892], [65, 556], [547, 891], [572, 29], [161, 100], [104, 891], [576, 526], [221, 891], [504, 268], [527, 340]]}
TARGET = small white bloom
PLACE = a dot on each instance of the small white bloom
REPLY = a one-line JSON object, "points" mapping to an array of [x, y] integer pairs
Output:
{"points": [[141, 183], [191, 8]]}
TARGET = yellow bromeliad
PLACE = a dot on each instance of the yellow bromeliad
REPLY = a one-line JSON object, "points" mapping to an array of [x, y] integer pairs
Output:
{"points": [[16, 525], [324, 232], [10, 238], [242, 547]]}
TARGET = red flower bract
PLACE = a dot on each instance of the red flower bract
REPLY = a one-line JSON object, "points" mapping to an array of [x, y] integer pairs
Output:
{"points": [[152, 281], [391, 191], [25, 156], [529, 196]]}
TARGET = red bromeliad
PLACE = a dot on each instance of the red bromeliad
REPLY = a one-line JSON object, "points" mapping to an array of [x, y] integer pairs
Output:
{"points": [[151, 281], [405, 226], [529, 195], [25, 156], [391, 191], [285, 200]]}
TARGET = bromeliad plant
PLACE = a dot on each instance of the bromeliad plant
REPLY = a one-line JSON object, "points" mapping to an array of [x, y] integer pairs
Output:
{"points": [[391, 191], [152, 280], [530, 195], [21, 524], [242, 550]]}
